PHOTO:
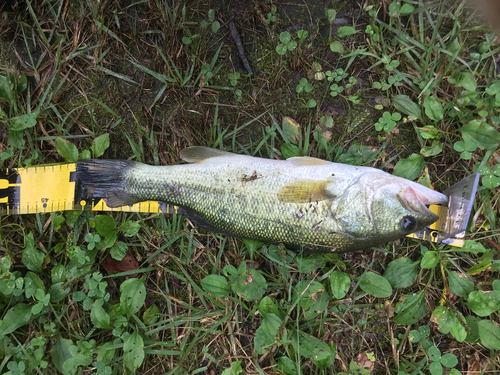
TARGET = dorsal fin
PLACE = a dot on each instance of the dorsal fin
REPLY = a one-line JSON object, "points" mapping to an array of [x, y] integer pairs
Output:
{"points": [[307, 160], [198, 154], [305, 191]]}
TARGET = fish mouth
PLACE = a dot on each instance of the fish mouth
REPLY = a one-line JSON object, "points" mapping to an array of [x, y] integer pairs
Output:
{"points": [[419, 200]]}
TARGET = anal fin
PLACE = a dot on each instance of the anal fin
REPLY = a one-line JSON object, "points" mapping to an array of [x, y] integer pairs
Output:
{"points": [[196, 219]]}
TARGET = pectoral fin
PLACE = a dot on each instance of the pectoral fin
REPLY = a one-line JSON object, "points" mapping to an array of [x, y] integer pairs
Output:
{"points": [[305, 191], [198, 154]]}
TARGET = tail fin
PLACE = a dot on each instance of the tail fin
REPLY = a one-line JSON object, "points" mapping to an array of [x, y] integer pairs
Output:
{"points": [[106, 179]]}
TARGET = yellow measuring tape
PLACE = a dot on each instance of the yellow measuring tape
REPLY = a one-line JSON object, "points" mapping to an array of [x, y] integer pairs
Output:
{"points": [[53, 188]]}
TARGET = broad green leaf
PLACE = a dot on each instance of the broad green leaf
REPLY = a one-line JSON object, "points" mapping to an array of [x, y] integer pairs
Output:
{"points": [[58, 220], [266, 333], [246, 283], [430, 260], [291, 130], [449, 322], [22, 122], [322, 362], [133, 295], [32, 283], [130, 228], [435, 368], [6, 347], [484, 303], [216, 285], [67, 150], [490, 181], [460, 284], [60, 353], [5, 263], [340, 284], [429, 132], [345, 31], [285, 37], [270, 325], [410, 168], [401, 272], [489, 333], [253, 245], [375, 285], [307, 293], [56, 293], [105, 225], [432, 150], [289, 151], [16, 139], [267, 306], [474, 246], [151, 315], [32, 257], [414, 336], [133, 346], [404, 104], [406, 9], [281, 49], [496, 285], [330, 14], [215, 26], [480, 134], [336, 46], [72, 217], [473, 335], [463, 79], [99, 317], [16, 317], [7, 90], [100, 145], [79, 296], [320, 305], [433, 109], [287, 366], [410, 308], [110, 240], [234, 370], [307, 263], [434, 353], [449, 360], [106, 355], [119, 250], [310, 347]]}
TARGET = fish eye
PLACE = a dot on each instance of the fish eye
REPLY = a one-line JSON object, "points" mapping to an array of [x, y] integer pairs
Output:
{"points": [[408, 224]]}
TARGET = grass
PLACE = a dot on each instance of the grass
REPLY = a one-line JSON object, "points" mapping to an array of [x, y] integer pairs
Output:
{"points": [[146, 79]]}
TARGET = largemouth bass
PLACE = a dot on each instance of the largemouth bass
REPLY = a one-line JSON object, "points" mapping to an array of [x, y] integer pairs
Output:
{"points": [[302, 202]]}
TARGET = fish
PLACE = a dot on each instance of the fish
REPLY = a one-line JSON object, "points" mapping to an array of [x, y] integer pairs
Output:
{"points": [[304, 203]]}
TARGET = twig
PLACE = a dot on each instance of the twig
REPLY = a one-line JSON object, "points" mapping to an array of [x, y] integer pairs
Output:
{"points": [[239, 46]]}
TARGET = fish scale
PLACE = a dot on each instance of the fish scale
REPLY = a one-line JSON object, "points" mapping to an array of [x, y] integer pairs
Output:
{"points": [[248, 208], [305, 203]]}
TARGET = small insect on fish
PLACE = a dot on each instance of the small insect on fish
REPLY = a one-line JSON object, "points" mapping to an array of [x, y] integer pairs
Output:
{"points": [[303, 202]]}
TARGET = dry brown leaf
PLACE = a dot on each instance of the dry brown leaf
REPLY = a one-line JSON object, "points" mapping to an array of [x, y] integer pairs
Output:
{"points": [[126, 264], [366, 360]]}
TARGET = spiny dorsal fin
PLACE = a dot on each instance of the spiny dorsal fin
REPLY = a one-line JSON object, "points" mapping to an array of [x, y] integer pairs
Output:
{"points": [[305, 191], [307, 160], [198, 154]]}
